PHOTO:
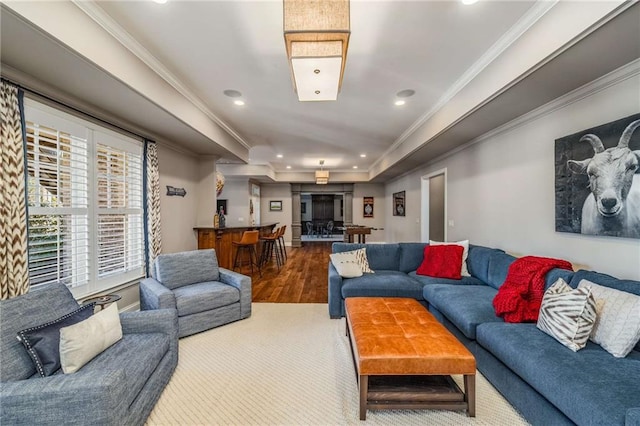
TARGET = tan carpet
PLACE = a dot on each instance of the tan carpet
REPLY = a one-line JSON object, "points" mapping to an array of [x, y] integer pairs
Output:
{"points": [[289, 364]]}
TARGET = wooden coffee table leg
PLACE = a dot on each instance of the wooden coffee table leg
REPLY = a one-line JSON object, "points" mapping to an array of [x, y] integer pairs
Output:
{"points": [[470, 394], [363, 382]]}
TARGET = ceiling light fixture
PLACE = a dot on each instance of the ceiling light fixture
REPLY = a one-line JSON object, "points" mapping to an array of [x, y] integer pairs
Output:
{"points": [[238, 102], [399, 103], [160, 1], [363, 155], [316, 35], [355, 167], [468, 2], [288, 167], [322, 176], [279, 155]]}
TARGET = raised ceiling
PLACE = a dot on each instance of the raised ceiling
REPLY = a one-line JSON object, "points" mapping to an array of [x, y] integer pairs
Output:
{"points": [[205, 48]]}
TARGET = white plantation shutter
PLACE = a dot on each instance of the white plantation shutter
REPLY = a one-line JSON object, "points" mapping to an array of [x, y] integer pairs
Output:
{"points": [[84, 191], [119, 193]]}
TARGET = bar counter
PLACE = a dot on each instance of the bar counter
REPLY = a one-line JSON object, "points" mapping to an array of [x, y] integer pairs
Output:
{"points": [[220, 239]]}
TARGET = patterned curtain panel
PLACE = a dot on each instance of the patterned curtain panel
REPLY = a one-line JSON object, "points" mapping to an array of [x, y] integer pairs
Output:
{"points": [[153, 237], [14, 267]]}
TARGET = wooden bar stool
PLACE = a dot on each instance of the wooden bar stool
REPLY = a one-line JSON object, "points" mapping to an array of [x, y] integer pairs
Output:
{"points": [[248, 244], [283, 248], [269, 247]]}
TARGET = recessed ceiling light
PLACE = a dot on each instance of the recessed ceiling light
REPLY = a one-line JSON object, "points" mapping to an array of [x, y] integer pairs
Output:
{"points": [[232, 93], [363, 155], [238, 102], [467, 2], [288, 167], [399, 103], [160, 1], [279, 155], [355, 167], [406, 93]]}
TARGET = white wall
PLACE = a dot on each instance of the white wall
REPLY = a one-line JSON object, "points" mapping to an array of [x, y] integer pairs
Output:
{"points": [[178, 214], [236, 192], [278, 192], [380, 203], [500, 191]]}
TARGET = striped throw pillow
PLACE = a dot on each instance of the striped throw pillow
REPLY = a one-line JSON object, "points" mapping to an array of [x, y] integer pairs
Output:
{"points": [[568, 315], [361, 258]]}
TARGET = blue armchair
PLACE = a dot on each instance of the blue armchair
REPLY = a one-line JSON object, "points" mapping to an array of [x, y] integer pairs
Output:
{"points": [[118, 387], [204, 295]]}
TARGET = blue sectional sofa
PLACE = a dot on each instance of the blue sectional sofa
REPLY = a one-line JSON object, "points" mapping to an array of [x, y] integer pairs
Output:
{"points": [[545, 381]]}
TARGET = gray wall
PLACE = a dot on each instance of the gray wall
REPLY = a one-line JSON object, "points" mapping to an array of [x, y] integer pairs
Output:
{"points": [[501, 189]]}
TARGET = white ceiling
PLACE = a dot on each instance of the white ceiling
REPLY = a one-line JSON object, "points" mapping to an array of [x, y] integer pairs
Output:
{"points": [[207, 47]]}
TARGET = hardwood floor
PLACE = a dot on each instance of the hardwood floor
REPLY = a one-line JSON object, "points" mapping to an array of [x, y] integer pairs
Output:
{"points": [[302, 279]]}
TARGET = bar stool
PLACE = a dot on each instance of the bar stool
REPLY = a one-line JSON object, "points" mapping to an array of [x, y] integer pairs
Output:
{"points": [[248, 244], [269, 247], [283, 247]]}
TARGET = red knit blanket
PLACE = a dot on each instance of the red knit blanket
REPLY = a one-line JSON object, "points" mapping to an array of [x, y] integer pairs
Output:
{"points": [[520, 297]]}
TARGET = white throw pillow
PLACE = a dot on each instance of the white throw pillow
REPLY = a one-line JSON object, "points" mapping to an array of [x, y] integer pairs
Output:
{"points": [[346, 264], [81, 342], [567, 314], [617, 327], [465, 253]]}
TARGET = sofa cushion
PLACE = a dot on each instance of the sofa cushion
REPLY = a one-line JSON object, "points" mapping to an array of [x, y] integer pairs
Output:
{"points": [[568, 314], [380, 256], [618, 327], [206, 296], [432, 280], [442, 261], [382, 284], [42, 342], [499, 263], [81, 342], [466, 306], [464, 271], [589, 386], [630, 286], [42, 304], [411, 255], [137, 355], [189, 267], [478, 261]]}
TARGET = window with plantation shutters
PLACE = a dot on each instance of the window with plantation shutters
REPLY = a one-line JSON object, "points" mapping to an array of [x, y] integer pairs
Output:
{"points": [[84, 195]]}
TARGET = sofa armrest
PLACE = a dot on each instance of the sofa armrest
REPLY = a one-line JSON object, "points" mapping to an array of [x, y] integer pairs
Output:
{"points": [[158, 321], [242, 283], [336, 302], [153, 295], [65, 399]]}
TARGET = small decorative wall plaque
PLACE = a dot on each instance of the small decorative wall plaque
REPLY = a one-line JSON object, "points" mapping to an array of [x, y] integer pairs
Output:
{"points": [[398, 203], [367, 208], [171, 190]]}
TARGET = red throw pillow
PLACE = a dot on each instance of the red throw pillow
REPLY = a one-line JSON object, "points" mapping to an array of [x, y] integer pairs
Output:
{"points": [[442, 261]]}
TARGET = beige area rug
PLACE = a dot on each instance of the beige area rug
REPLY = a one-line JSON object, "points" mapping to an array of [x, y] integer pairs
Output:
{"points": [[289, 364]]}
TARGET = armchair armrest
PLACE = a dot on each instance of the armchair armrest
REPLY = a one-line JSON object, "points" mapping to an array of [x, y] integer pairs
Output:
{"points": [[336, 303], [156, 321], [633, 416], [65, 399], [242, 283], [153, 295]]}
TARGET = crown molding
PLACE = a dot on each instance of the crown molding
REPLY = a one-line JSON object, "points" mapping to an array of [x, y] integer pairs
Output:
{"points": [[613, 78], [537, 11], [104, 20]]}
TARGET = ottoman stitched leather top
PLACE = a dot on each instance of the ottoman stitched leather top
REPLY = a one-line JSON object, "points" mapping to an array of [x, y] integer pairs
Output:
{"points": [[398, 336]]}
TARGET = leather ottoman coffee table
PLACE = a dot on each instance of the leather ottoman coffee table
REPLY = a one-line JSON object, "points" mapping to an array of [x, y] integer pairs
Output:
{"points": [[404, 357]]}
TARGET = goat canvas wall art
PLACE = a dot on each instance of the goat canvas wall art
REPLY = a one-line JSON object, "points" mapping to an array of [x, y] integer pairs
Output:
{"points": [[598, 180]]}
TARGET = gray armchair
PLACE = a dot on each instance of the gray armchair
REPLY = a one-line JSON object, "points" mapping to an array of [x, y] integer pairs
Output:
{"points": [[205, 295], [118, 387]]}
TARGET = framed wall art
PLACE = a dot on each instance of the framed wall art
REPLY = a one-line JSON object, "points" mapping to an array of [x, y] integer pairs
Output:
{"points": [[367, 207], [597, 180], [275, 206], [399, 203]]}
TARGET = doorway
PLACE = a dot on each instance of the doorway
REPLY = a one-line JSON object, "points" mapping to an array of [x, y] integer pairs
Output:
{"points": [[322, 215], [434, 206]]}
